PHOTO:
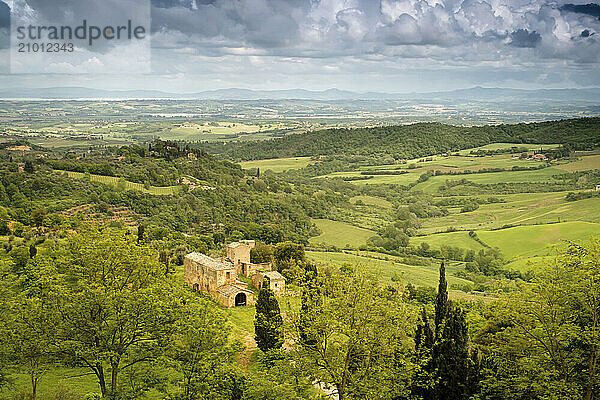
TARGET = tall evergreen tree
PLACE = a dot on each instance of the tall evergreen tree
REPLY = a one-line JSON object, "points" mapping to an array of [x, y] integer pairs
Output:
{"points": [[441, 301], [451, 357], [140, 233], [268, 323], [423, 378], [29, 167], [446, 371], [424, 335]]}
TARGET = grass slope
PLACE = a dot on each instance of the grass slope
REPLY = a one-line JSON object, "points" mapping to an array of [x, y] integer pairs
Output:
{"points": [[386, 269], [340, 234], [277, 164], [528, 241], [456, 239], [585, 163]]}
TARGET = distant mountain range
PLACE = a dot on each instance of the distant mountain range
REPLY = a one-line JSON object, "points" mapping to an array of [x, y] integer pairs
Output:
{"points": [[472, 94]]}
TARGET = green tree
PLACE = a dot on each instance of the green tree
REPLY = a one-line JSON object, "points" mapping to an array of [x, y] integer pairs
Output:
{"points": [[34, 328], [38, 216], [201, 350], [32, 250], [354, 340], [441, 301], [140, 233], [543, 338], [289, 259], [451, 358], [118, 309], [442, 355], [3, 195], [311, 302], [261, 253], [29, 167], [268, 323]]}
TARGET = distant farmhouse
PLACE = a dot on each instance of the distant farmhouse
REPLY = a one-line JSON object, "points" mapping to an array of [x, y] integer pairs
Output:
{"points": [[219, 277]]}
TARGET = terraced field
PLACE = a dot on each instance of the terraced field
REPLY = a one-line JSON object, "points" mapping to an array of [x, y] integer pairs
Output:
{"points": [[126, 185]]}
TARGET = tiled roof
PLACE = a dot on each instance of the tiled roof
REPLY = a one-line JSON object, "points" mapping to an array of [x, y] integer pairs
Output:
{"points": [[273, 275], [209, 262], [229, 290]]}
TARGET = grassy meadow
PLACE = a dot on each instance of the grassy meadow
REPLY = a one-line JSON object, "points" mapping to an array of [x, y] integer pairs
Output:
{"points": [[277, 164], [533, 240], [387, 267], [340, 234]]}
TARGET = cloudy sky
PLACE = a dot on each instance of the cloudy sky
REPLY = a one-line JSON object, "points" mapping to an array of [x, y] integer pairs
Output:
{"points": [[361, 45]]}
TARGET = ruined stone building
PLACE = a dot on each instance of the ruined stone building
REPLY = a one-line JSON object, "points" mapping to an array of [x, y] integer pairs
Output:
{"points": [[239, 254], [277, 281], [219, 277]]}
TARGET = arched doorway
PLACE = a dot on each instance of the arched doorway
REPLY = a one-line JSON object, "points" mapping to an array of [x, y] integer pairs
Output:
{"points": [[240, 299]]}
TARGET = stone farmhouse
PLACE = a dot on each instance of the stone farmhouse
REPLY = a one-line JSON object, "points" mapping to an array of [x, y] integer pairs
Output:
{"points": [[219, 277], [277, 281], [239, 254]]}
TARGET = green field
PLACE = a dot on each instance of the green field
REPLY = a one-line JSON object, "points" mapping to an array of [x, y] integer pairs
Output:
{"points": [[340, 234], [386, 269], [372, 201], [277, 164], [519, 241], [528, 241], [116, 182], [518, 209], [497, 146], [219, 130], [583, 164], [456, 239], [405, 179], [540, 175]]}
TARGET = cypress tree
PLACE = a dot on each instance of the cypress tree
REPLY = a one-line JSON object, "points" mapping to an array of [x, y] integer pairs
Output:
{"points": [[32, 251], [423, 378], [424, 335], [268, 323], [29, 167], [451, 357], [140, 234], [441, 301]]}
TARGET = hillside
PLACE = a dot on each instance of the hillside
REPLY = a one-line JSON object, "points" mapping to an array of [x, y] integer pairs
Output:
{"points": [[416, 140]]}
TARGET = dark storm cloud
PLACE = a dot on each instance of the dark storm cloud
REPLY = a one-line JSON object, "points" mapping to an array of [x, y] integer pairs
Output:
{"points": [[449, 31], [589, 9], [525, 39], [4, 15], [261, 23]]}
